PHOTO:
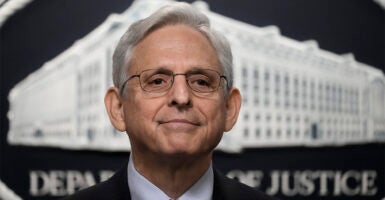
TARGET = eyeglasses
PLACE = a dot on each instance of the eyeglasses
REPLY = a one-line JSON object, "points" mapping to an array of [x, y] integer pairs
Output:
{"points": [[161, 80]]}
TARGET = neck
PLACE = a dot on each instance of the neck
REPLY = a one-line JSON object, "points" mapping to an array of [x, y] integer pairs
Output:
{"points": [[174, 175]]}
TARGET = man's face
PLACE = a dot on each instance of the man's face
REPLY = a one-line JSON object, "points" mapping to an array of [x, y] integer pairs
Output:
{"points": [[178, 121]]}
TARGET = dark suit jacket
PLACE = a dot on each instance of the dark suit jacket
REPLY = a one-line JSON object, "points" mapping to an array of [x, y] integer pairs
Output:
{"points": [[116, 188]]}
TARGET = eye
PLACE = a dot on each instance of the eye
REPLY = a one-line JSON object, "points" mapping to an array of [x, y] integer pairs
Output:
{"points": [[157, 81], [200, 80]]}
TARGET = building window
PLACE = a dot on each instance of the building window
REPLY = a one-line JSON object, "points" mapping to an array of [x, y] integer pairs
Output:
{"points": [[255, 86], [244, 72], [257, 117], [312, 95], [339, 99], [296, 91], [287, 84], [288, 133], [277, 84], [268, 133], [246, 116], [267, 102], [288, 119], [304, 94], [346, 100], [256, 81], [356, 101], [256, 74], [256, 100], [244, 78], [279, 118], [297, 119], [277, 102], [267, 75], [329, 133], [257, 133], [297, 133], [278, 133], [320, 97], [333, 99], [287, 91], [268, 118], [246, 132], [327, 97], [267, 81], [244, 99]]}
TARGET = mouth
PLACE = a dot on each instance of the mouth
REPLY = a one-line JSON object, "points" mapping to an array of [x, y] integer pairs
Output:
{"points": [[179, 121]]}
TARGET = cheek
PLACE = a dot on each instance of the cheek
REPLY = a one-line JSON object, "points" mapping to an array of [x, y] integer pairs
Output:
{"points": [[215, 115], [139, 113]]}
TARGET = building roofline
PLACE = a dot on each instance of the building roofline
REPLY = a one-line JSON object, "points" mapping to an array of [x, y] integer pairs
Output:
{"points": [[10, 7]]}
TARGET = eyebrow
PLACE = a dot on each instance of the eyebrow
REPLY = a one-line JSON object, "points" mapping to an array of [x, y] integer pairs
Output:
{"points": [[192, 70], [162, 69]]}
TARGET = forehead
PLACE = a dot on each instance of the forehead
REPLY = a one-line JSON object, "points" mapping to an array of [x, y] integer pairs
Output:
{"points": [[175, 47]]}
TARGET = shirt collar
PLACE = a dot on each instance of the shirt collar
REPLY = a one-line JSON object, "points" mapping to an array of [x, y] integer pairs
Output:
{"points": [[143, 189]]}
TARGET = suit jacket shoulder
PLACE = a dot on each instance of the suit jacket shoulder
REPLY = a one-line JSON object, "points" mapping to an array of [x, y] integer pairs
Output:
{"points": [[115, 188], [229, 189]]}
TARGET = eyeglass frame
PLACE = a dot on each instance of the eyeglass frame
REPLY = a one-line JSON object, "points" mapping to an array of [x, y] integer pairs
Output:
{"points": [[173, 79]]}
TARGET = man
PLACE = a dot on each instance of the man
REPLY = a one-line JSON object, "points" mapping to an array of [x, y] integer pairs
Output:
{"points": [[173, 96]]}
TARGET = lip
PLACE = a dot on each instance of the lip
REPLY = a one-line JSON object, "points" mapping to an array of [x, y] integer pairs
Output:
{"points": [[177, 121]]}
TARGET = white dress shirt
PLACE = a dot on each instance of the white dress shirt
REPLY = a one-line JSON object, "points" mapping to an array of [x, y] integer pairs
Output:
{"points": [[143, 189]]}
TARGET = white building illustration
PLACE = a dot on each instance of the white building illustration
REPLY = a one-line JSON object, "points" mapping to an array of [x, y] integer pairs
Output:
{"points": [[294, 93]]}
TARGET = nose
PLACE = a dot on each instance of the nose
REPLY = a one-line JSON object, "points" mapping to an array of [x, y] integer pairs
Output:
{"points": [[180, 93]]}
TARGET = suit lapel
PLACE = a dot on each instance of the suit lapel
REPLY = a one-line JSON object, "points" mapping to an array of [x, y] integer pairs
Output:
{"points": [[222, 190], [120, 182]]}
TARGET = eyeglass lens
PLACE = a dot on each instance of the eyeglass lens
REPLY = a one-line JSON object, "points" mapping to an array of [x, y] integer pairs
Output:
{"points": [[160, 80]]}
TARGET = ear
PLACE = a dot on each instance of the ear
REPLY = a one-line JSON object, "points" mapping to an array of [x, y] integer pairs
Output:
{"points": [[114, 108], [233, 106]]}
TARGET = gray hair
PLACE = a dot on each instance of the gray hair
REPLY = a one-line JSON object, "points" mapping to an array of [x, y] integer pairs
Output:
{"points": [[173, 14]]}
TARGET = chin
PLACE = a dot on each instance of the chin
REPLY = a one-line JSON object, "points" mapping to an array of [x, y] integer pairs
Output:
{"points": [[185, 152], [179, 151]]}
